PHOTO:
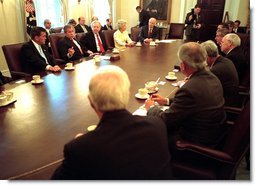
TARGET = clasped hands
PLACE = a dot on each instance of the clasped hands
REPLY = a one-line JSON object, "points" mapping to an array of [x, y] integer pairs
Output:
{"points": [[153, 99]]}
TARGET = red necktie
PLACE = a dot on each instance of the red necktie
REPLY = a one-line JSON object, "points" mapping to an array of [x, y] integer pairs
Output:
{"points": [[100, 44]]}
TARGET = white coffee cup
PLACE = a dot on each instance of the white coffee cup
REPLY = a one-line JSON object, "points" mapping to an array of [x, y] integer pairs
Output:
{"points": [[36, 78], [3, 99], [69, 65], [171, 74], [138, 44], [152, 43], [151, 86], [157, 41], [142, 92], [97, 58]]}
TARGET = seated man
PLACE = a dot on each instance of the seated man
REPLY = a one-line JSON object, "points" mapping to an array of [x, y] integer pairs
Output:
{"points": [[69, 48], [196, 112], [121, 37], [34, 54], [224, 69], [122, 146], [108, 25], [49, 30], [230, 45], [94, 40], [82, 27], [220, 33], [149, 32]]}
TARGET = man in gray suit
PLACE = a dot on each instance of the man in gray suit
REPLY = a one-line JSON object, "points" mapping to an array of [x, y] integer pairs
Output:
{"points": [[196, 112]]}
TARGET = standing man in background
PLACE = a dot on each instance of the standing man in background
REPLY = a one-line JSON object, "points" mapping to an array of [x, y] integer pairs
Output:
{"points": [[144, 16], [194, 24]]}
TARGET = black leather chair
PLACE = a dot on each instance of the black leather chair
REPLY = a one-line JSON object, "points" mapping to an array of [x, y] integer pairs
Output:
{"points": [[54, 38], [12, 56], [135, 33], [193, 161], [108, 34], [176, 31]]}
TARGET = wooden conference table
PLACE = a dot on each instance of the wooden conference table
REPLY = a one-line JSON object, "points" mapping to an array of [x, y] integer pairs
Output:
{"points": [[34, 129]]}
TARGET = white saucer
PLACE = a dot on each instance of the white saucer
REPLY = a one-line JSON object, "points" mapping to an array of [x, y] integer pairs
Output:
{"points": [[8, 102], [156, 90], [138, 45], [115, 52], [171, 78], [153, 44], [69, 68], [137, 95], [41, 81]]}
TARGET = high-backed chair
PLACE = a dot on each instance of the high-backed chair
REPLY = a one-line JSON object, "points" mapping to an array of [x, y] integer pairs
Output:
{"points": [[57, 29], [54, 38], [108, 34], [193, 161], [12, 56], [176, 31], [80, 36], [135, 33]]}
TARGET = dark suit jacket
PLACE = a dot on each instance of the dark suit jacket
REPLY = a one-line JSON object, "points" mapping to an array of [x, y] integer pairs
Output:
{"points": [[90, 43], [225, 70], [64, 44], [143, 34], [190, 23], [196, 113], [122, 146], [32, 61], [78, 28], [237, 57], [106, 28], [144, 17]]}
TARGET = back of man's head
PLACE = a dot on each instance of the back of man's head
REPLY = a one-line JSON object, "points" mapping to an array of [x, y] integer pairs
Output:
{"points": [[138, 8], [211, 48], [36, 31], [109, 89], [193, 54]]}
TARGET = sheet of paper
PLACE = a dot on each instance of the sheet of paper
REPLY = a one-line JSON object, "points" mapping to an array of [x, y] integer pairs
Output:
{"points": [[167, 41]]}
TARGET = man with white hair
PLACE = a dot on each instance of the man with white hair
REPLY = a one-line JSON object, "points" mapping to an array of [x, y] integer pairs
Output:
{"points": [[95, 40], [122, 146], [196, 112], [230, 45], [149, 32], [224, 69]]}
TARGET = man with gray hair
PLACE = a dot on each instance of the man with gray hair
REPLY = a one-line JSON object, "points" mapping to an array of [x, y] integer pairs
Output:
{"points": [[123, 146], [196, 112], [230, 45], [149, 32], [95, 40], [224, 69]]}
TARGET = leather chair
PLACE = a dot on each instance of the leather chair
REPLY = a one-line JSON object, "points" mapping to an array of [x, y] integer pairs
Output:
{"points": [[80, 36], [135, 33], [108, 34], [192, 161], [57, 29], [176, 31], [54, 38], [12, 56]]}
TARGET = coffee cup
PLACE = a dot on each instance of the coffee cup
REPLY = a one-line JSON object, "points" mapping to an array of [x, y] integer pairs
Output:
{"points": [[115, 50], [171, 74], [36, 78], [138, 44], [97, 58], [9, 95], [142, 92], [157, 41], [152, 43], [151, 86], [3, 99], [69, 65]]}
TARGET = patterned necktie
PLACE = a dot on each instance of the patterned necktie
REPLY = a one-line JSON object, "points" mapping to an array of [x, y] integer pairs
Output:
{"points": [[149, 33], [100, 44], [42, 54]]}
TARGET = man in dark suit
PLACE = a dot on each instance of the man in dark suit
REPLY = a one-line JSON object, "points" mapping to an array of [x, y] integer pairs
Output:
{"points": [[144, 16], [34, 54], [69, 48], [194, 24], [224, 69], [49, 30], [82, 27], [108, 25], [196, 112], [230, 45], [94, 40], [149, 32], [237, 28], [123, 146]]}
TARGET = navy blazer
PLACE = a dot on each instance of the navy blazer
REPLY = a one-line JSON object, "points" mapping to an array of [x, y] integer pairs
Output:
{"points": [[64, 44], [144, 33], [90, 43], [196, 113], [123, 146], [32, 61]]}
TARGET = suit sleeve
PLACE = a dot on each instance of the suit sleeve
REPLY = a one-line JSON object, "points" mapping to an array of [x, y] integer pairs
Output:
{"points": [[141, 35], [182, 107], [63, 50]]}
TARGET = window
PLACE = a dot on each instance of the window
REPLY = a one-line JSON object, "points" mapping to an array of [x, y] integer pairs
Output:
{"points": [[102, 10], [49, 9]]}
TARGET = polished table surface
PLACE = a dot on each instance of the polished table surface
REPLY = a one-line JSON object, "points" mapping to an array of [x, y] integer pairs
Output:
{"points": [[34, 129]]}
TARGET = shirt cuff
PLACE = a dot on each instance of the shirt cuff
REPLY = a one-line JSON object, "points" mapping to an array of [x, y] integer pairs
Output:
{"points": [[167, 101], [47, 67]]}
